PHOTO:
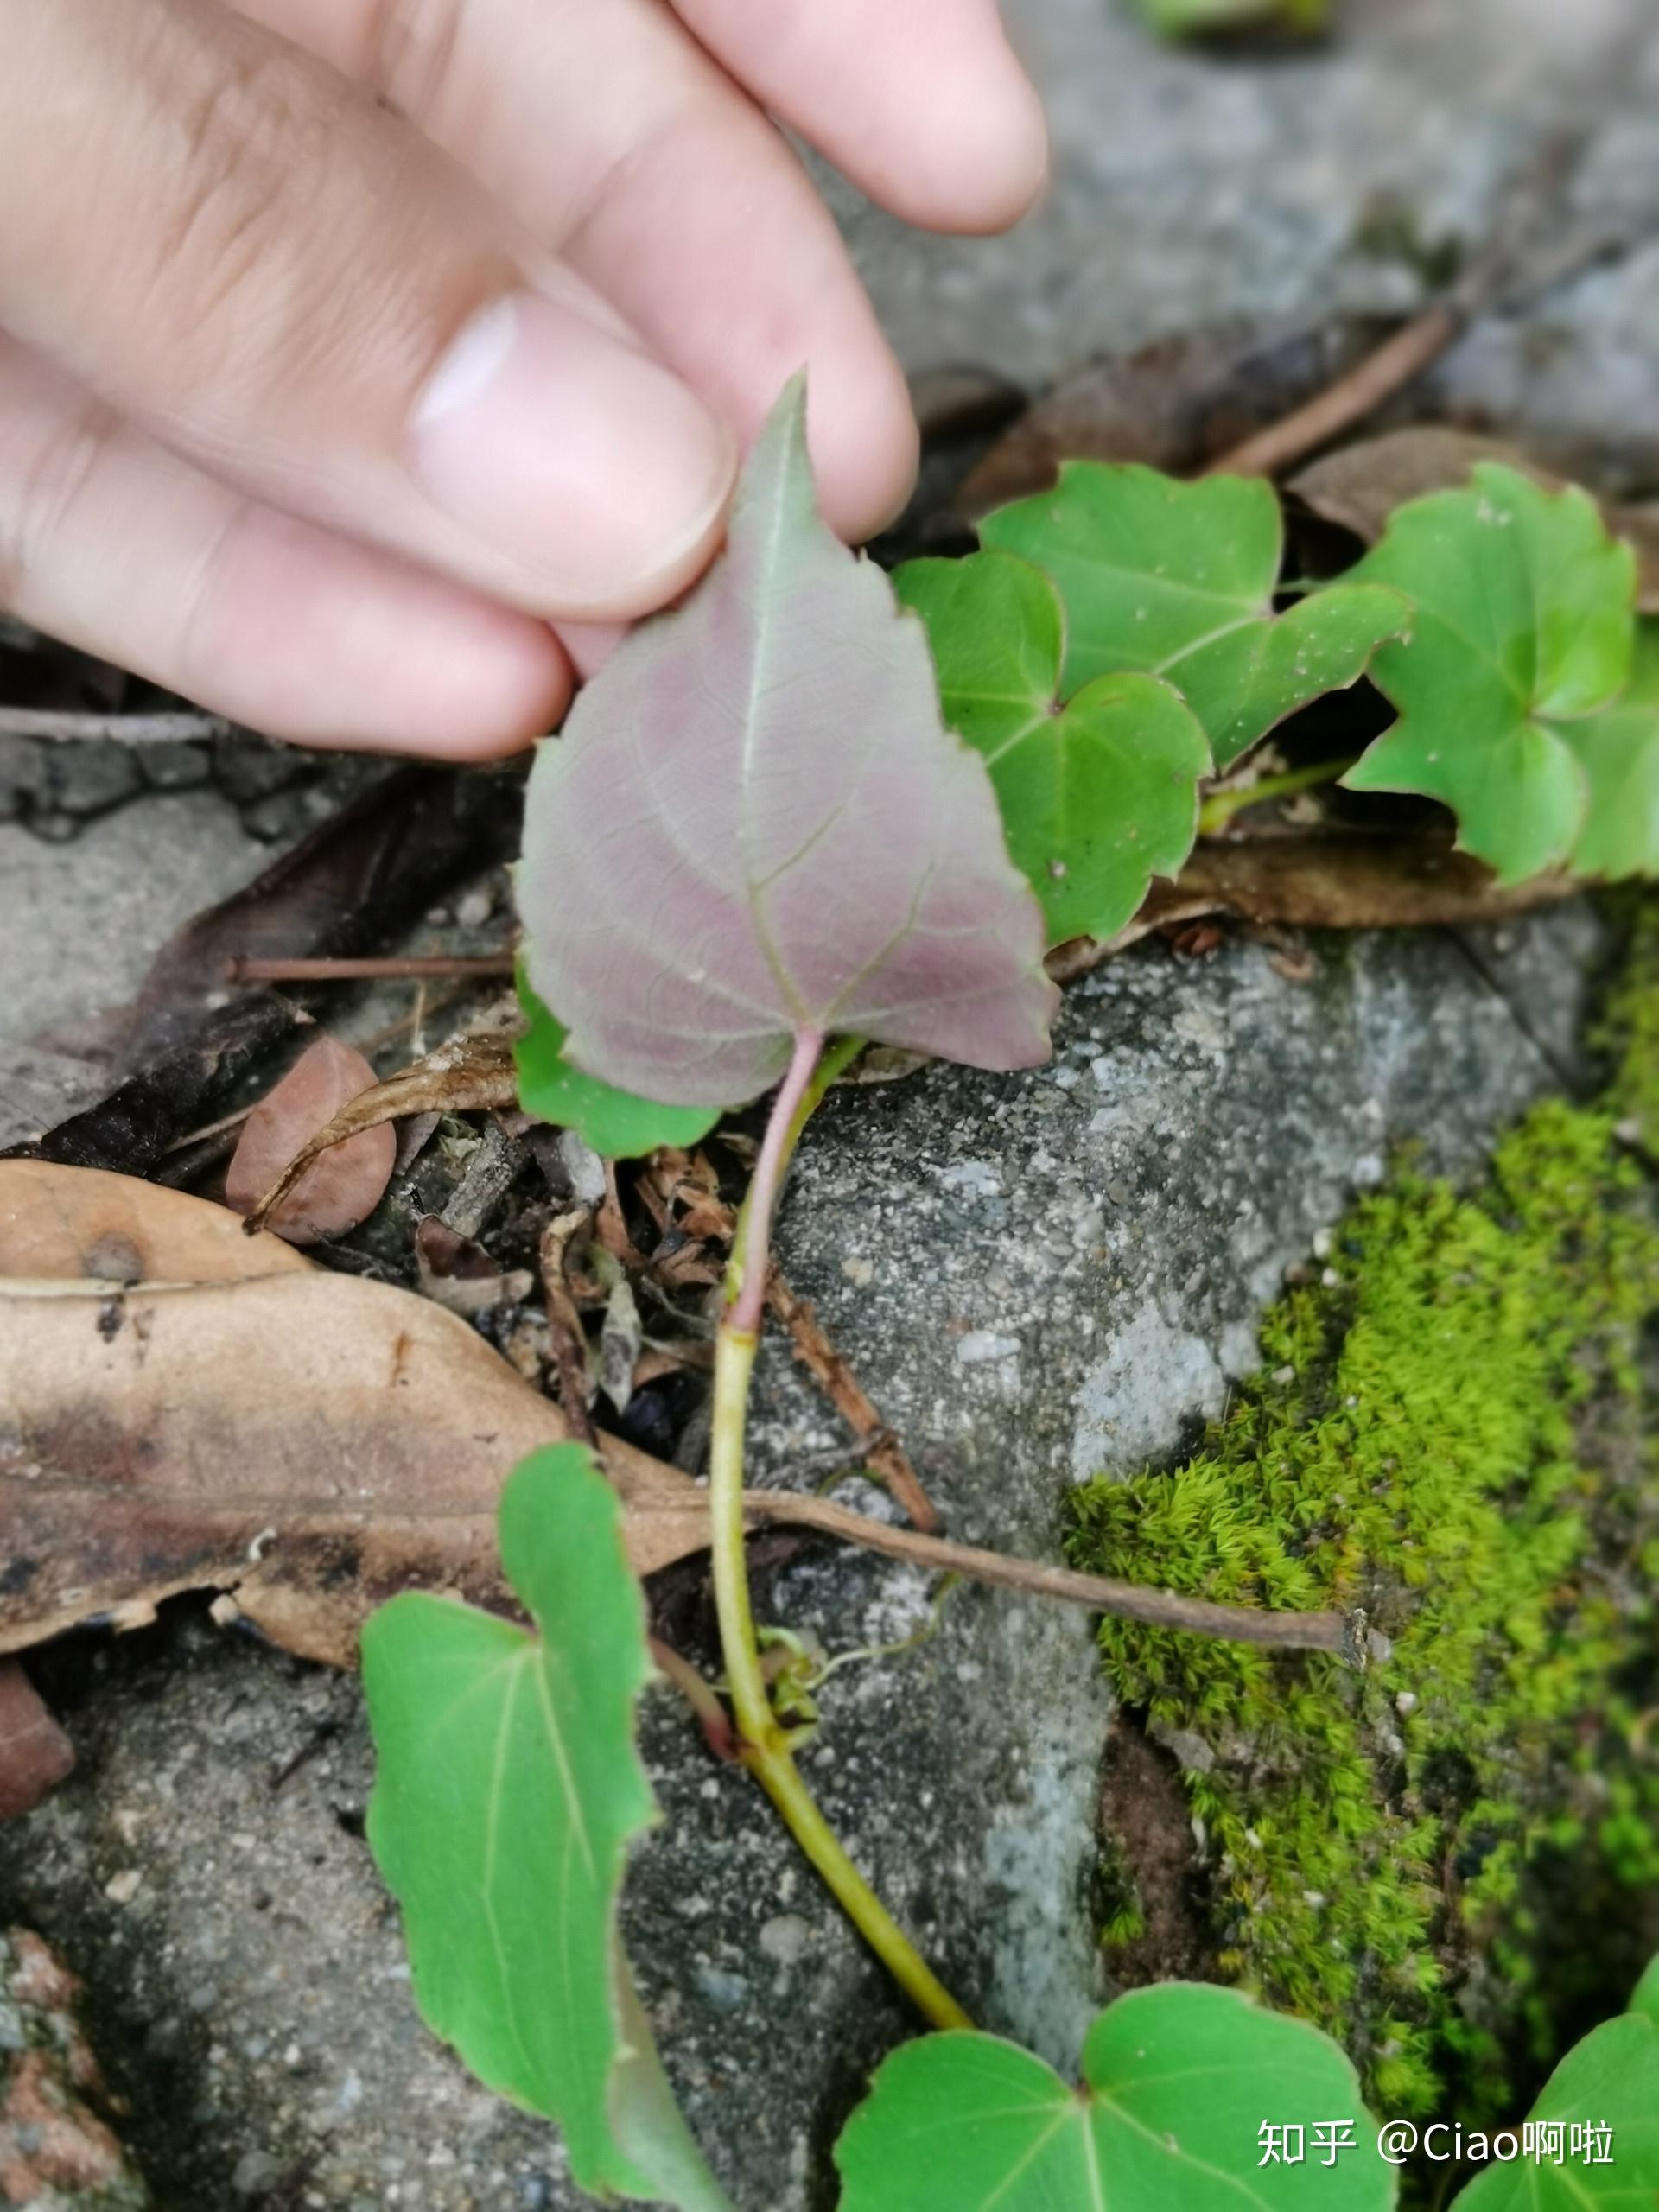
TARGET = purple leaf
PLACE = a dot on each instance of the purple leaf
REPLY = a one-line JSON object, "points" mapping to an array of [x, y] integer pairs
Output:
{"points": [[756, 824]]}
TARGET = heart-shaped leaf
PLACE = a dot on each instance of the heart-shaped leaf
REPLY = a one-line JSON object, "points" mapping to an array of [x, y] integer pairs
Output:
{"points": [[1098, 795], [1591, 2143], [756, 825], [1619, 751], [1176, 580], [618, 1125], [508, 1790], [1180, 2084], [1522, 629]]}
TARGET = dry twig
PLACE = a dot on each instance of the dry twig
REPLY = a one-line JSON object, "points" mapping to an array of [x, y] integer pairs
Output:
{"points": [[253, 969], [565, 1330], [882, 1451], [124, 729], [1345, 1635]]}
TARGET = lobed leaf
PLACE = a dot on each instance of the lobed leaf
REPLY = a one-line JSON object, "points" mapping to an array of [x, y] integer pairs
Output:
{"points": [[508, 1790], [1176, 580], [1098, 794], [1178, 2081], [756, 824], [618, 1125], [1522, 630], [1618, 752]]}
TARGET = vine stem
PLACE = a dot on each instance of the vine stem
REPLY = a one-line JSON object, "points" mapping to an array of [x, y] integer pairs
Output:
{"points": [[764, 1747], [1220, 807]]}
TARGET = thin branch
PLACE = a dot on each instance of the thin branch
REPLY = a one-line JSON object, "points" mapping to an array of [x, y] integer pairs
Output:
{"points": [[1343, 1634], [124, 729], [569, 1339], [883, 1454], [250, 969], [1396, 363]]}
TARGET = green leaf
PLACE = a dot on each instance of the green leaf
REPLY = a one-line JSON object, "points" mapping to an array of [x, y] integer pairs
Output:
{"points": [[1179, 2080], [1644, 1998], [1610, 2080], [1619, 751], [1523, 627], [616, 1124], [1176, 580], [508, 1789], [1099, 795]]}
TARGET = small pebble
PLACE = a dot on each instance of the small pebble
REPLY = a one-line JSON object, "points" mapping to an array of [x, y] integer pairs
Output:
{"points": [[981, 1345], [256, 2172], [786, 1937], [122, 1888]]}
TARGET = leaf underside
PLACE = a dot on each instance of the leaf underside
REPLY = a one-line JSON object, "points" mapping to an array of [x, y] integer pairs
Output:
{"points": [[1179, 2080], [1174, 580], [507, 1792], [1521, 634], [756, 824], [1098, 794]]}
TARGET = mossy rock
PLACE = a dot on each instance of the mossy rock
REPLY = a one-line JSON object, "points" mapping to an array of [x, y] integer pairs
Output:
{"points": [[1440, 1861]]}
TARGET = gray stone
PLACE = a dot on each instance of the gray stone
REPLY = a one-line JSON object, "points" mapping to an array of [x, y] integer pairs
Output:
{"points": [[1189, 188], [90, 777], [79, 926]]}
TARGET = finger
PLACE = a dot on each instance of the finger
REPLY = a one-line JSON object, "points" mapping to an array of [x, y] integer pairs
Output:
{"points": [[612, 135], [111, 542], [254, 261], [923, 105]]}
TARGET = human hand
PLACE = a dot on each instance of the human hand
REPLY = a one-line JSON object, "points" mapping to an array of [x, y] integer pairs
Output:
{"points": [[347, 344]]}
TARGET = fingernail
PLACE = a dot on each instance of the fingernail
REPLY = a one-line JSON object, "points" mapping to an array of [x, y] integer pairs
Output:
{"points": [[591, 467]]}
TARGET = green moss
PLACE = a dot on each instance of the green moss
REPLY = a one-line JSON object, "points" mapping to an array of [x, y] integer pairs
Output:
{"points": [[1447, 1431]]}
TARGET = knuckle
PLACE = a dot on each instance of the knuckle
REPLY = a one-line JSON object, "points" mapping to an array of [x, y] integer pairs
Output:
{"points": [[246, 129], [44, 474], [411, 52]]}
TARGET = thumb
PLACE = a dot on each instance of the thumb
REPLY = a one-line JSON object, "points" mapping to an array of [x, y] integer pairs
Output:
{"points": [[256, 262]]}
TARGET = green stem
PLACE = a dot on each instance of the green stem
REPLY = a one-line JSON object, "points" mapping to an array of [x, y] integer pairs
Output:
{"points": [[765, 1749], [1220, 807]]}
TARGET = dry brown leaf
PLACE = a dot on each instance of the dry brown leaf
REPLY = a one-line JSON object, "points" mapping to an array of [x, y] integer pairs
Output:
{"points": [[460, 1274], [1322, 882], [60, 1222], [308, 1442], [1174, 405], [35, 1753], [467, 1075], [1359, 487], [336, 1191]]}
